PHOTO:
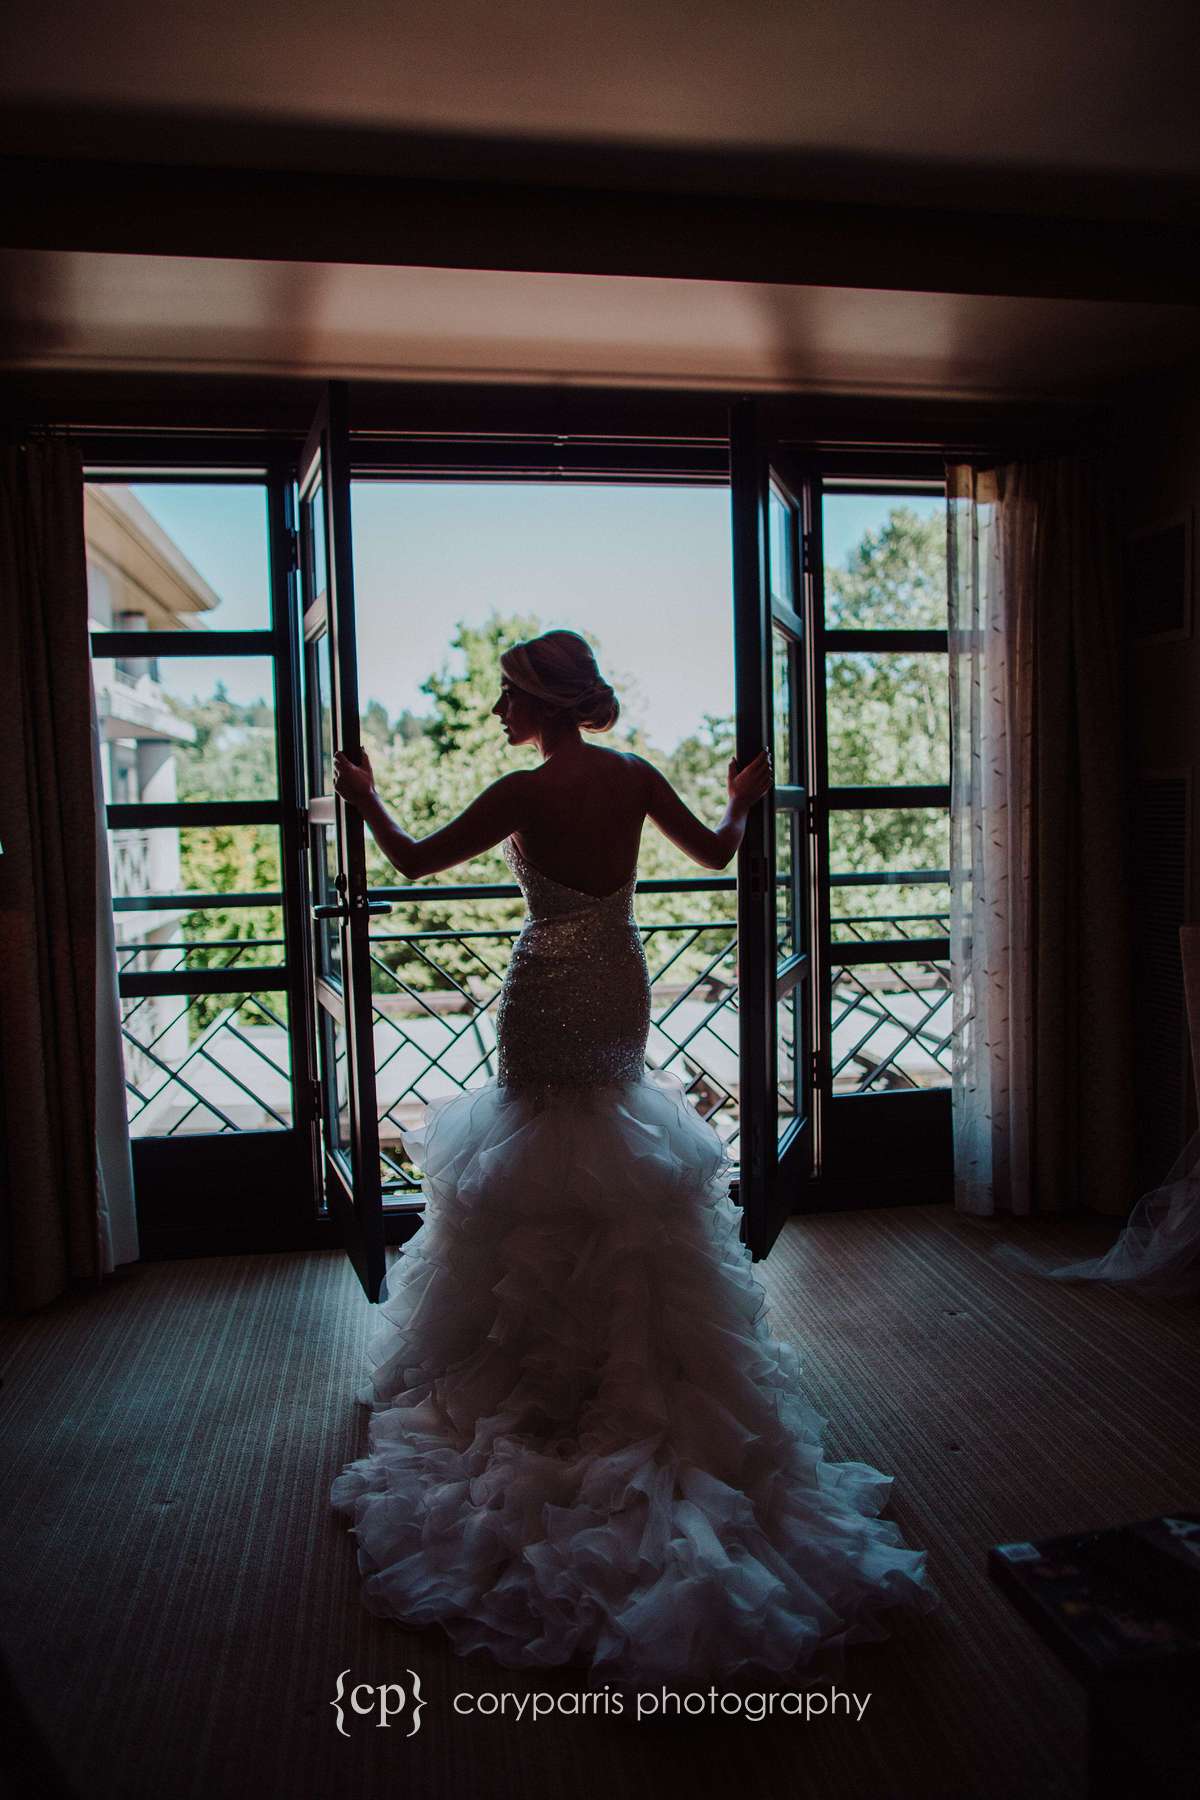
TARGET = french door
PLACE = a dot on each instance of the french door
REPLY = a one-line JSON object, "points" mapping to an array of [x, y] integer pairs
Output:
{"points": [[776, 582], [346, 1159], [772, 518]]}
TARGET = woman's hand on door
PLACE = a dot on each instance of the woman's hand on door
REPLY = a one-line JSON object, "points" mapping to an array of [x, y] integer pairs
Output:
{"points": [[751, 783], [353, 782]]}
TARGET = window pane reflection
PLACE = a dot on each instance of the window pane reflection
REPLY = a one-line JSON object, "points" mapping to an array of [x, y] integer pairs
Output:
{"points": [[318, 569], [779, 549], [321, 656], [781, 683]]}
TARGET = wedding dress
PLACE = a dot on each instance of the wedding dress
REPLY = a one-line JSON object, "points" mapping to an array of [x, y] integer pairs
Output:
{"points": [[584, 1447], [1156, 1252]]}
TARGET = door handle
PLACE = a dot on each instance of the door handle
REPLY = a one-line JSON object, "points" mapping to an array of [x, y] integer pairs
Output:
{"points": [[342, 909]]}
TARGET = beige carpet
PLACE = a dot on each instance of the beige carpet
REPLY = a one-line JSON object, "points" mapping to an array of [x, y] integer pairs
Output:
{"points": [[178, 1599]]}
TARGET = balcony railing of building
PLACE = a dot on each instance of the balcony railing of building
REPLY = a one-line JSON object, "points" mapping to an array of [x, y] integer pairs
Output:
{"points": [[130, 862]]}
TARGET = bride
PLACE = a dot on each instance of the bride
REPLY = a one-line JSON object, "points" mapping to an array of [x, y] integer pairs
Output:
{"points": [[584, 1447]]}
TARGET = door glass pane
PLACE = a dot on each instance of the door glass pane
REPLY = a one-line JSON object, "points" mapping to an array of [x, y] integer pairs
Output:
{"points": [[890, 840], [329, 935], [211, 1063], [872, 911], [318, 659], [177, 556], [318, 564], [887, 717], [211, 937], [787, 1052], [889, 865], [779, 560], [891, 1026], [885, 561], [336, 1075], [187, 728], [781, 684], [785, 923], [195, 859], [191, 557]]}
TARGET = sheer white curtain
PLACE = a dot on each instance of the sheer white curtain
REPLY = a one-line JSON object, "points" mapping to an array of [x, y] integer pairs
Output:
{"points": [[1040, 935], [114, 1164], [989, 562]]}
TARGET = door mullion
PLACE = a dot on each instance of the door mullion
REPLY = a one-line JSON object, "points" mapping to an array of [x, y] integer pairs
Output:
{"points": [[353, 1176], [756, 861], [281, 525], [820, 987]]}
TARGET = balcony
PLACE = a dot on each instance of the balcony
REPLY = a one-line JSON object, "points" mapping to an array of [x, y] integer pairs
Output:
{"points": [[135, 706]]}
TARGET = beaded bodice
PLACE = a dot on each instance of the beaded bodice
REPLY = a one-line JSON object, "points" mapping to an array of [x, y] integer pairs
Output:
{"points": [[574, 1010], [547, 898]]}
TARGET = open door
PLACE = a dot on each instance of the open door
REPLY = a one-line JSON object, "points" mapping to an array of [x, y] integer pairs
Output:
{"points": [[777, 1011], [341, 964]]}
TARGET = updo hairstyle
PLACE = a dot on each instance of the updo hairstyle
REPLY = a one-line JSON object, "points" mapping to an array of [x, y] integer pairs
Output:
{"points": [[559, 669]]}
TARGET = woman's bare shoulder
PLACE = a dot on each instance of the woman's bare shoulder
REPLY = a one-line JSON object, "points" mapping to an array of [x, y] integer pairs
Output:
{"points": [[570, 767], [638, 766], [646, 771]]}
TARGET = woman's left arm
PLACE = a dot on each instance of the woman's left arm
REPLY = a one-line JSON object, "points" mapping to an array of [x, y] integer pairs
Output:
{"points": [[500, 809]]}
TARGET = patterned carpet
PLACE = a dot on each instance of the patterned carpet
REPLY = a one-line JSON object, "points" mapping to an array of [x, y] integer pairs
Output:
{"points": [[178, 1599]]}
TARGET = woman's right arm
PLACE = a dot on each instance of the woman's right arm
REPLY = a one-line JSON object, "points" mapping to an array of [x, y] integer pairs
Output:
{"points": [[711, 849]]}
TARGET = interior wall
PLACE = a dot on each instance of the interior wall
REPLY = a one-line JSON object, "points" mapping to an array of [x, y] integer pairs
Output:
{"points": [[1157, 475]]}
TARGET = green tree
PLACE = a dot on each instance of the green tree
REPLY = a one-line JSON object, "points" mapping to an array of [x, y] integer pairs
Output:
{"points": [[894, 579], [376, 732]]}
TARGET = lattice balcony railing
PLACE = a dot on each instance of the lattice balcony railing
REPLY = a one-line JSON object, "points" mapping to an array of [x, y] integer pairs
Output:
{"points": [[221, 1062], [892, 1021], [232, 1074]]}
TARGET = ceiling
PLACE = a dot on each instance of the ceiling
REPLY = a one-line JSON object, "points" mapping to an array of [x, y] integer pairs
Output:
{"points": [[1070, 111], [1076, 86]]}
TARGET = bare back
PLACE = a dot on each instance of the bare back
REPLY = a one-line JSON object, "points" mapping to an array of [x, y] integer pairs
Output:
{"points": [[585, 824]]}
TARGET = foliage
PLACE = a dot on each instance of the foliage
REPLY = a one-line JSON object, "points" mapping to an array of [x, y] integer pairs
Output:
{"points": [[895, 578], [232, 758]]}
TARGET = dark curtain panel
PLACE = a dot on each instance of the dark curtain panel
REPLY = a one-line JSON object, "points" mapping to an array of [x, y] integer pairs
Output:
{"points": [[1083, 1145], [51, 1229]]}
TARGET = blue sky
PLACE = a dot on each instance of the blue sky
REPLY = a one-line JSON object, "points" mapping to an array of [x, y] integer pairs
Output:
{"points": [[646, 570]]}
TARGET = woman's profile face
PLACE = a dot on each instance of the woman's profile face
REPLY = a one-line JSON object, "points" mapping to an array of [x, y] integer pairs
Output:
{"points": [[515, 713]]}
